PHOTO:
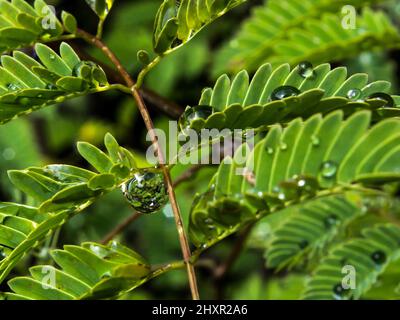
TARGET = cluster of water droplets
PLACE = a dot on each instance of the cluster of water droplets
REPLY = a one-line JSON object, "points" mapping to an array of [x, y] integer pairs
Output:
{"points": [[146, 191]]}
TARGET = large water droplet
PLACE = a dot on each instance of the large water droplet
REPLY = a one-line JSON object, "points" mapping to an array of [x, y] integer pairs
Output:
{"points": [[354, 94], [284, 92], [385, 97], [146, 192], [329, 169], [193, 113], [306, 69], [379, 257]]}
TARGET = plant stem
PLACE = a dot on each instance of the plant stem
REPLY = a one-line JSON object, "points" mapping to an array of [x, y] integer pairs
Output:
{"points": [[150, 128], [121, 227]]}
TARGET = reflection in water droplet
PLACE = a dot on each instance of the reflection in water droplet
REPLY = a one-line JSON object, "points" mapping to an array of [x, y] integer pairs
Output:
{"points": [[385, 97], [354, 94], [379, 257], [284, 92], [146, 192], [306, 69], [329, 169]]}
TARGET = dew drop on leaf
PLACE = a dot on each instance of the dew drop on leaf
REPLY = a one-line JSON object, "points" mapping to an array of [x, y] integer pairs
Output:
{"points": [[315, 141], [284, 92], [354, 94], [12, 87], [307, 185], [52, 57], [385, 97], [283, 146], [339, 293], [2, 255], [146, 191], [330, 221], [329, 169], [306, 69], [379, 257], [270, 150], [193, 113]]}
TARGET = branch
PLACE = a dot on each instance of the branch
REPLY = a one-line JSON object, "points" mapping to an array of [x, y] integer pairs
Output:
{"points": [[121, 227], [166, 106], [167, 176]]}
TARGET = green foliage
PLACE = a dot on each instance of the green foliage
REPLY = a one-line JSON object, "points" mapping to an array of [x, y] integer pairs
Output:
{"points": [[101, 7], [22, 24], [290, 32], [306, 159], [370, 255], [60, 192], [178, 22], [240, 103], [27, 85], [90, 271]]}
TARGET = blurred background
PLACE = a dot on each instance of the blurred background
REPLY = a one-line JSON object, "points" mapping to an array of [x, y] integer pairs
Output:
{"points": [[50, 136]]}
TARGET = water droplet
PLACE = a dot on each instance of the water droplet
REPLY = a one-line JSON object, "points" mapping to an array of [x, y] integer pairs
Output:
{"points": [[339, 293], [283, 146], [284, 92], [354, 94], [379, 257], [146, 192], [307, 185], [12, 87], [2, 255], [50, 86], [330, 221], [60, 99], [385, 97], [315, 141], [24, 101], [306, 69], [52, 57], [329, 169], [287, 190], [193, 113], [40, 96]]}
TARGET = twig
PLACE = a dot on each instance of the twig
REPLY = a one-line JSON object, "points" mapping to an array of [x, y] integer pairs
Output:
{"points": [[167, 176], [188, 174], [121, 227], [221, 271]]}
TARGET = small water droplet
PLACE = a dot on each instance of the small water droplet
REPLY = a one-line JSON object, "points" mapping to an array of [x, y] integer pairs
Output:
{"points": [[12, 87], [315, 141], [52, 57], [24, 101], [287, 190], [50, 86], [330, 221], [379, 257], [270, 150], [339, 293], [306, 69], [40, 96], [283, 146], [284, 92], [60, 99], [2, 255], [307, 185], [329, 169], [385, 97], [303, 244], [354, 94], [146, 192]]}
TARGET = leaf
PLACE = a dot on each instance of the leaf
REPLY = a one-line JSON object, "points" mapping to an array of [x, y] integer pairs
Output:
{"points": [[178, 22], [369, 255], [280, 32], [241, 104], [27, 85], [22, 24], [90, 271], [101, 7], [295, 164]]}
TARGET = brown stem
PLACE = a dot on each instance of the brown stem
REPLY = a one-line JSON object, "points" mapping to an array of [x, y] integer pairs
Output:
{"points": [[188, 174], [221, 271], [167, 176], [121, 227], [166, 106]]}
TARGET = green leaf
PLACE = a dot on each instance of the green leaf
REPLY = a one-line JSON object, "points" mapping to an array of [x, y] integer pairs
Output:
{"points": [[90, 271], [369, 255], [22, 24], [97, 158], [27, 85], [177, 23], [241, 104]]}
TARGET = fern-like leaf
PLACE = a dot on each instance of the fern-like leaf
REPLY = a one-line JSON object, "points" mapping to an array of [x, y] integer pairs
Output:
{"points": [[61, 191], [240, 103], [368, 255], [323, 154], [22, 24], [294, 31], [90, 271], [177, 22], [27, 85]]}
